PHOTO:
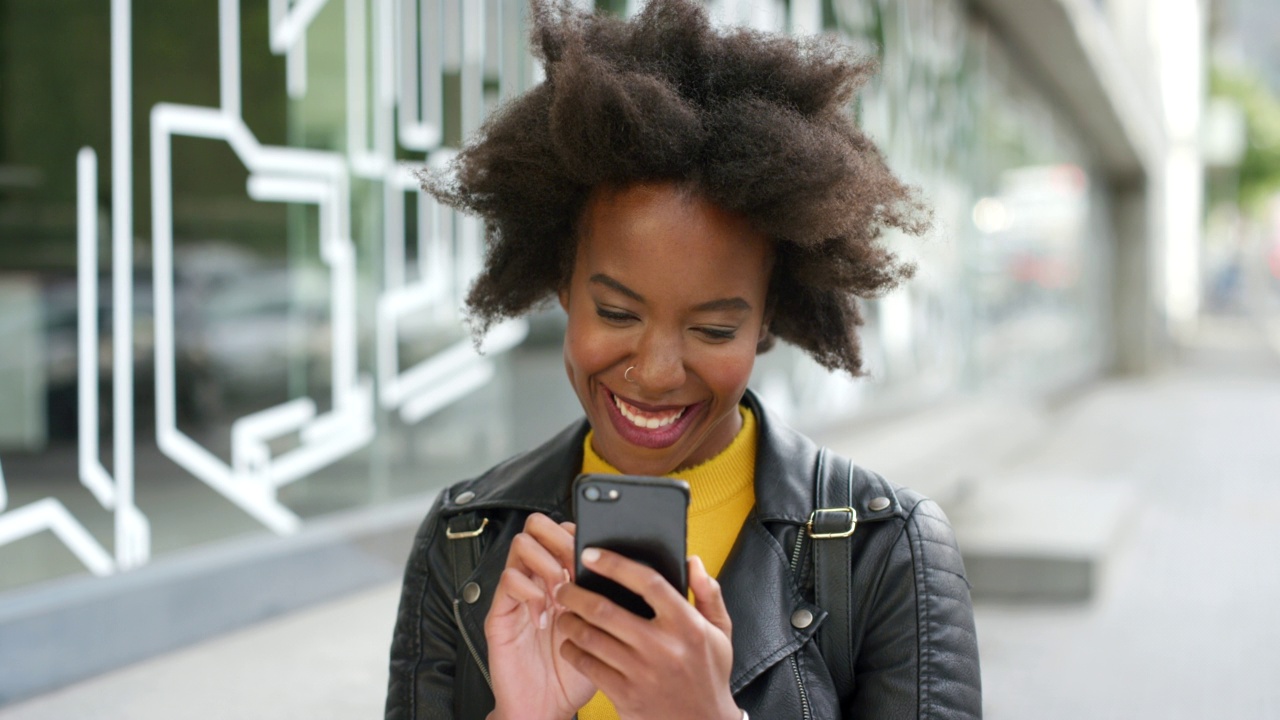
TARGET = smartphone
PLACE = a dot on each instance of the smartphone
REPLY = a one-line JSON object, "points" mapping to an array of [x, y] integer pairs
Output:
{"points": [[643, 518]]}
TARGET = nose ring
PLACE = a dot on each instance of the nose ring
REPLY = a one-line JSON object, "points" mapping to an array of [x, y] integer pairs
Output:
{"points": [[627, 375]]}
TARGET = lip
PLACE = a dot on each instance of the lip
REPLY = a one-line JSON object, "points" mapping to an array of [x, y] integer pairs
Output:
{"points": [[657, 438]]}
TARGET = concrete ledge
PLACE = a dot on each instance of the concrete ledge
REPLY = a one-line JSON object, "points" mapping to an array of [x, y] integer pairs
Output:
{"points": [[1025, 538], [1041, 539], [940, 449], [65, 631]]}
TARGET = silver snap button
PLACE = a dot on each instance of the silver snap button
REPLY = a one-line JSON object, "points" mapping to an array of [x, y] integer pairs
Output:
{"points": [[801, 619], [471, 593], [464, 498], [878, 504]]}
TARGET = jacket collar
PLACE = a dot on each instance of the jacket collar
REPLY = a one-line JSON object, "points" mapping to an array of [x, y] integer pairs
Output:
{"points": [[539, 480]]}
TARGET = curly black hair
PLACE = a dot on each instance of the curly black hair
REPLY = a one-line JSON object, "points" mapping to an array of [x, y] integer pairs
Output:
{"points": [[756, 123]]}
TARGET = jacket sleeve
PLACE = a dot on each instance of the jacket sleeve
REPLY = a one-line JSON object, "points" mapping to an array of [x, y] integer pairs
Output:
{"points": [[423, 648], [919, 657]]}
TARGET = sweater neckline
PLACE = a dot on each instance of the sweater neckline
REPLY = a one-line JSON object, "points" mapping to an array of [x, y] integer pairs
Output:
{"points": [[711, 482]]}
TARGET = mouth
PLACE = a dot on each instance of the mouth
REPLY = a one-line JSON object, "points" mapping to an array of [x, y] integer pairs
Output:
{"points": [[650, 426], [648, 419]]}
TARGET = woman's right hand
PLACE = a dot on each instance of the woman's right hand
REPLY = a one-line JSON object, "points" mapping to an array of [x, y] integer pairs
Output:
{"points": [[530, 677]]}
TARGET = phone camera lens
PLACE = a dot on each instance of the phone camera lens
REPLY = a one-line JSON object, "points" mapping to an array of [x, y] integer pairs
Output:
{"points": [[592, 493]]}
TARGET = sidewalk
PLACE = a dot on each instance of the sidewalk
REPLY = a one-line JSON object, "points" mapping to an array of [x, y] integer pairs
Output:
{"points": [[325, 663], [1182, 625]]}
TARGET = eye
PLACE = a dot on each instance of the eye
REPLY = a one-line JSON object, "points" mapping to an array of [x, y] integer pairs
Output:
{"points": [[614, 316], [717, 334]]}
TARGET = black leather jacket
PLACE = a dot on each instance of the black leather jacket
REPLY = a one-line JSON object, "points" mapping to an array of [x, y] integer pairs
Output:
{"points": [[915, 652]]}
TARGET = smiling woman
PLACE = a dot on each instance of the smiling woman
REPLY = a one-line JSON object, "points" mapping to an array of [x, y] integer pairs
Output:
{"points": [[688, 195]]}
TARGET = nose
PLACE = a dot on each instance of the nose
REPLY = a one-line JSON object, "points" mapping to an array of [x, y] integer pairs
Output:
{"points": [[659, 363]]}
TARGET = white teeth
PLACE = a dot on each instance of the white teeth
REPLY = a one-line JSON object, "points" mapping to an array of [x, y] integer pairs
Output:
{"points": [[649, 423]]}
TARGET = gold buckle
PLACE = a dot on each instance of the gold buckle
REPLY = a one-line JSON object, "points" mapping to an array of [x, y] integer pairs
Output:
{"points": [[853, 523], [462, 534]]}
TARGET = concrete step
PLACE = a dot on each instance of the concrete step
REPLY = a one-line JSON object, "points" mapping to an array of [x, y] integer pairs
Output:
{"points": [[1041, 538], [1025, 537], [938, 449]]}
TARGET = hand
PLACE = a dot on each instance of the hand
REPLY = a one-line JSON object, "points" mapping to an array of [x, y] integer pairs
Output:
{"points": [[530, 677], [676, 665]]}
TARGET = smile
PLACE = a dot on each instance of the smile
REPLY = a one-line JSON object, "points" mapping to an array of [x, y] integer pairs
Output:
{"points": [[647, 420], [651, 427]]}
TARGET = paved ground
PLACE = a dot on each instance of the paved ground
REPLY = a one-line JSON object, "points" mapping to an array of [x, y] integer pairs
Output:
{"points": [[326, 663], [1184, 626]]}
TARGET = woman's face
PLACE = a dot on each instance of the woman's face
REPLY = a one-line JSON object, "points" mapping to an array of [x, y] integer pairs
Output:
{"points": [[675, 287]]}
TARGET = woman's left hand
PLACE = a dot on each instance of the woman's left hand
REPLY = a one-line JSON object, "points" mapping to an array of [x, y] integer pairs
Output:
{"points": [[673, 666]]}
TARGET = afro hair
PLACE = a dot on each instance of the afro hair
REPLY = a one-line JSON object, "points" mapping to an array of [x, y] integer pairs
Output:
{"points": [[756, 123]]}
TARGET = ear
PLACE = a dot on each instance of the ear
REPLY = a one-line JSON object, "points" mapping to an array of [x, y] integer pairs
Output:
{"points": [[564, 297], [766, 340]]}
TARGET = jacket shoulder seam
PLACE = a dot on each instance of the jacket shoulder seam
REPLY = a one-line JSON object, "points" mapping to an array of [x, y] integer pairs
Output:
{"points": [[432, 527], [924, 606]]}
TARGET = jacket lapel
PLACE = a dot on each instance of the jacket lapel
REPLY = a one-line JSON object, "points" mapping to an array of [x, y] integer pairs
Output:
{"points": [[761, 595], [537, 481], [758, 584]]}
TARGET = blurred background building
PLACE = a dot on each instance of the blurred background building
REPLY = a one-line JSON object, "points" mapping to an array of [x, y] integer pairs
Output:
{"points": [[233, 372]]}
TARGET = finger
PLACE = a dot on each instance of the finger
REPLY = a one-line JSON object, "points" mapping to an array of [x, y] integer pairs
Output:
{"points": [[572, 529], [536, 560], [601, 612], [606, 678], [707, 597], [554, 537], [594, 641], [522, 587], [517, 592], [639, 579]]}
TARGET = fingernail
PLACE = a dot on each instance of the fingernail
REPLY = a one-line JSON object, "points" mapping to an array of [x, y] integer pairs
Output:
{"points": [[590, 555], [542, 620]]}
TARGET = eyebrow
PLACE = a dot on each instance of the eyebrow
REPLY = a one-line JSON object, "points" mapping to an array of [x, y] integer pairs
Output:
{"points": [[733, 303]]}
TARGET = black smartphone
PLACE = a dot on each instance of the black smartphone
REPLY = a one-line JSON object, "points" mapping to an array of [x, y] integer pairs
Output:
{"points": [[643, 518]]}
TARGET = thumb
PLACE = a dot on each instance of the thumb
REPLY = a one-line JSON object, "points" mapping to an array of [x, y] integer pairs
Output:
{"points": [[707, 597]]}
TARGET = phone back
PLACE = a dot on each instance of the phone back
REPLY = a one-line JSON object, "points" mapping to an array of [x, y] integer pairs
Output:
{"points": [[643, 518]]}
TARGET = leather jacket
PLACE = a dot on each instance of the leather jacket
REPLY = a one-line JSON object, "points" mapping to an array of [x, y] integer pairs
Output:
{"points": [[914, 650]]}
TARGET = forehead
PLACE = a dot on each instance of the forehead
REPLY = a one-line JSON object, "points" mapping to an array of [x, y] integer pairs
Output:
{"points": [[664, 234]]}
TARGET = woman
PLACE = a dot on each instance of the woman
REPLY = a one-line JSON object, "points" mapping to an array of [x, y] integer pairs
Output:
{"points": [[688, 196]]}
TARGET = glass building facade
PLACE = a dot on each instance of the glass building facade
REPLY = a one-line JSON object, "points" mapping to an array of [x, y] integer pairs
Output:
{"points": [[227, 310]]}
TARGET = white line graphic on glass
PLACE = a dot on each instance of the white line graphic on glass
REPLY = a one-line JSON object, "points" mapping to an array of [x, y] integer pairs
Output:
{"points": [[49, 513], [276, 174], [455, 372], [289, 20], [449, 36]]}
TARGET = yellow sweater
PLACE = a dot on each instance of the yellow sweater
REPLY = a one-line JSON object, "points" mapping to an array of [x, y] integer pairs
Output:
{"points": [[722, 492]]}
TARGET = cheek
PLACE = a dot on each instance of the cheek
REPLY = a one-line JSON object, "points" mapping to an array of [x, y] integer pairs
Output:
{"points": [[587, 350], [727, 375]]}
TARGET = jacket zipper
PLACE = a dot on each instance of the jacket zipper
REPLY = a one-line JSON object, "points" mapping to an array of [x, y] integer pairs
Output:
{"points": [[795, 663], [457, 619], [795, 554]]}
